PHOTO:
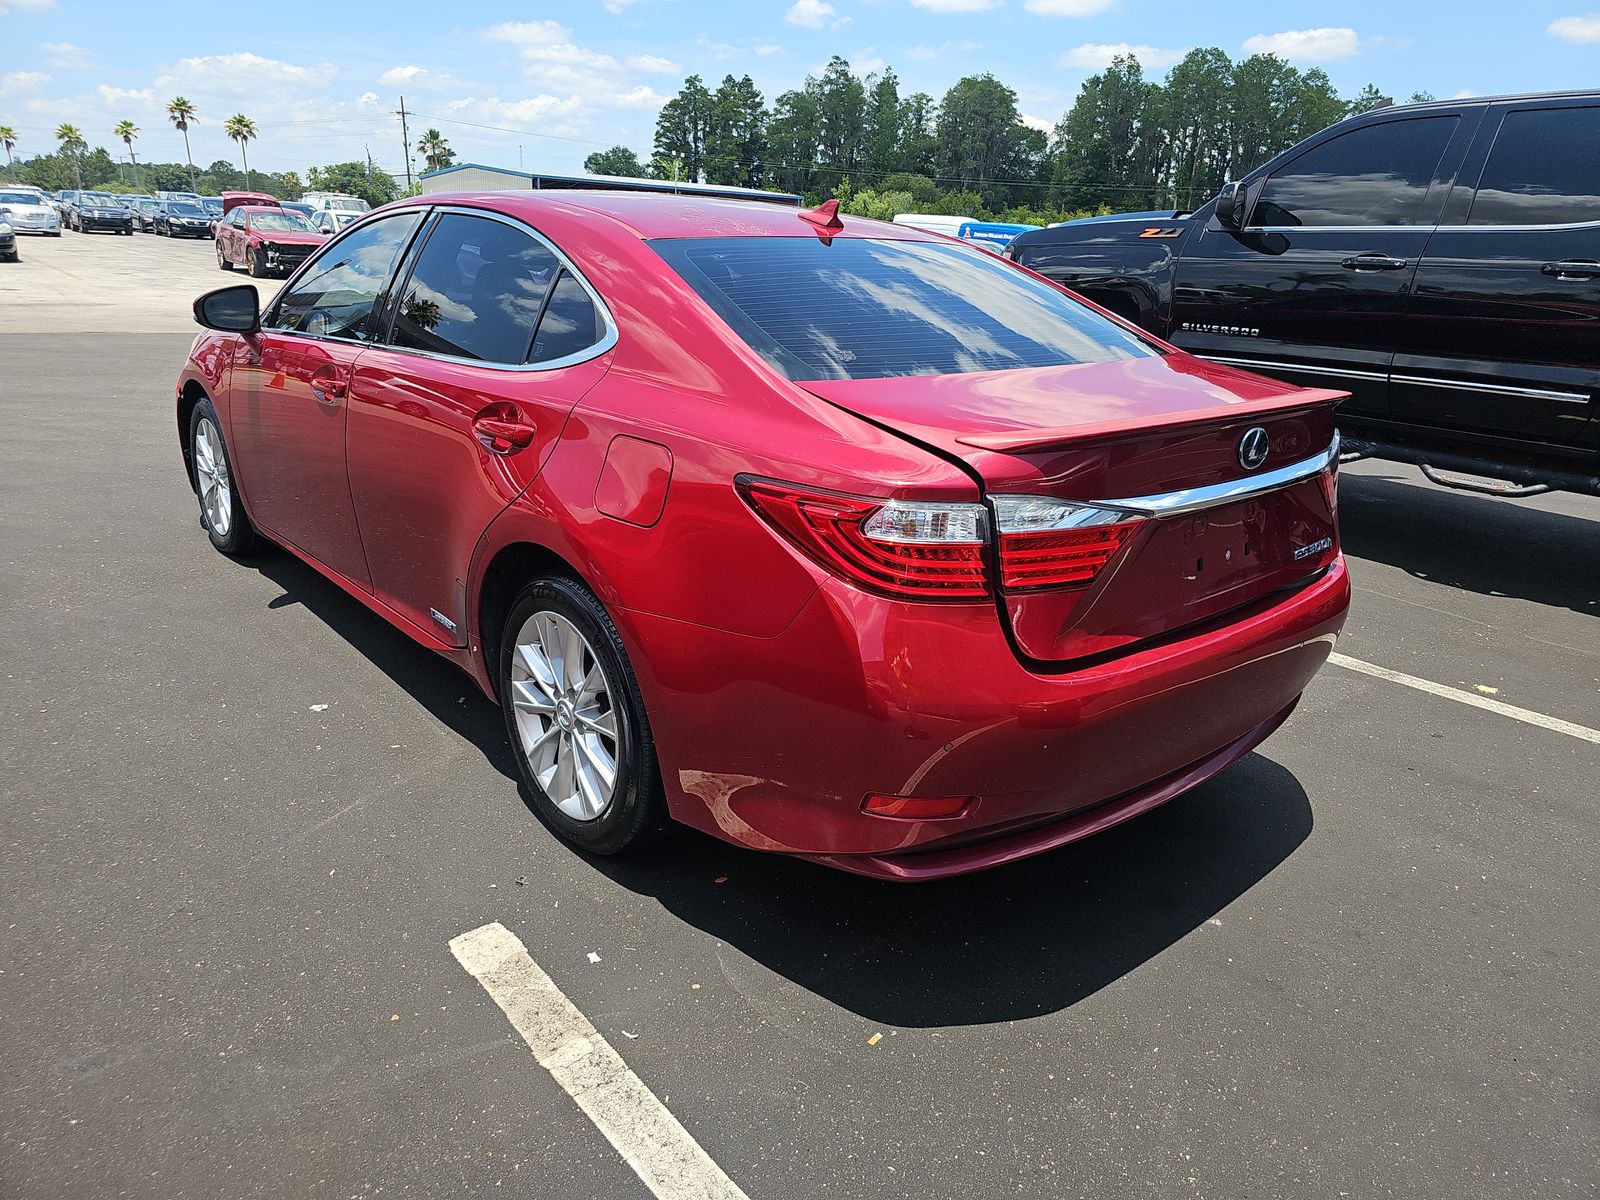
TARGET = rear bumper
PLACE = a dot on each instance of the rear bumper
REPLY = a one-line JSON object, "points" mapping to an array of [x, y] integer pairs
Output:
{"points": [[775, 743]]}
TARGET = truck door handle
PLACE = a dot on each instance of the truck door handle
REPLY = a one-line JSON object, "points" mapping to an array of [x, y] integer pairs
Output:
{"points": [[1572, 268], [502, 437], [1373, 262]]}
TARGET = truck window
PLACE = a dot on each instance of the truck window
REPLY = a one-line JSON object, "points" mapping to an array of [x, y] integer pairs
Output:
{"points": [[1544, 170], [1375, 175]]}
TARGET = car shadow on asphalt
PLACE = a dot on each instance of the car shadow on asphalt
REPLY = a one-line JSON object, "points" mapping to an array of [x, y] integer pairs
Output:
{"points": [[1018, 941], [1476, 543]]}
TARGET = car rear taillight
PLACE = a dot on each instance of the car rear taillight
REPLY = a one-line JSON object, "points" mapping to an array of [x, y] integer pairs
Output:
{"points": [[925, 550], [1054, 543]]}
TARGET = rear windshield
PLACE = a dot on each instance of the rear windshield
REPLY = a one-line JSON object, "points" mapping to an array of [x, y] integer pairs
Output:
{"points": [[863, 309]]}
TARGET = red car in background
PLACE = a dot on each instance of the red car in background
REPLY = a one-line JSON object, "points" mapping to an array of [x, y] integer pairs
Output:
{"points": [[265, 241], [840, 539]]}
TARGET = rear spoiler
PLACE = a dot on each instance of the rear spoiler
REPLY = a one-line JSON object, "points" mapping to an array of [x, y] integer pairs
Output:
{"points": [[1016, 440]]}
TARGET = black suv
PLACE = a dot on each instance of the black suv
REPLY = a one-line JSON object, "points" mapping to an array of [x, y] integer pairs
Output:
{"points": [[1441, 262]]}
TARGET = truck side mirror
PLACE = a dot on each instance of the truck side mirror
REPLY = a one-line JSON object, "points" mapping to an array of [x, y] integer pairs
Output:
{"points": [[1231, 204]]}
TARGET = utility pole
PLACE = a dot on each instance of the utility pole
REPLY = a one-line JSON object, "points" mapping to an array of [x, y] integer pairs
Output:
{"points": [[405, 140]]}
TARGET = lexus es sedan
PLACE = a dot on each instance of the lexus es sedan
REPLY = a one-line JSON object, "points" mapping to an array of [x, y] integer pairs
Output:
{"points": [[824, 536]]}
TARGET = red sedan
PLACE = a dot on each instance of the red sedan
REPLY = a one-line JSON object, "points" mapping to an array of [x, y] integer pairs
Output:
{"points": [[842, 540], [265, 240]]}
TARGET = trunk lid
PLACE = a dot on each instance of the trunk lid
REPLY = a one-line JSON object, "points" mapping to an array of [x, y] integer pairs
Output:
{"points": [[1165, 430]]}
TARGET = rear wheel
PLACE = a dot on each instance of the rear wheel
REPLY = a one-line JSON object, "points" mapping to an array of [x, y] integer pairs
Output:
{"points": [[576, 720], [222, 259], [222, 514]]}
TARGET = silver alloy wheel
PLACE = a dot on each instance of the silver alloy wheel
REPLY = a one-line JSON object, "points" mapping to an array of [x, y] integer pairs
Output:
{"points": [[566, 721], [211, 472]]}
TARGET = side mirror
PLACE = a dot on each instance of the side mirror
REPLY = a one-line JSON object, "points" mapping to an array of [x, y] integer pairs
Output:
{"points": [[1231, 204], [234, 309]]}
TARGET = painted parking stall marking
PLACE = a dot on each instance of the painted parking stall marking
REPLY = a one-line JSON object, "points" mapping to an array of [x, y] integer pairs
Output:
{"points": [[652, 1141], [1555, 724]]}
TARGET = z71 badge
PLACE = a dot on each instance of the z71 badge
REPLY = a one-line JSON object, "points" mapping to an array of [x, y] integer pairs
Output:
{"points": [[1156, 231]]}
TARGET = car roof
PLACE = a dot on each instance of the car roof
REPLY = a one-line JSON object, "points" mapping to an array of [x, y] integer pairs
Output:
{"points": [[663, 215], [1517, 97]]}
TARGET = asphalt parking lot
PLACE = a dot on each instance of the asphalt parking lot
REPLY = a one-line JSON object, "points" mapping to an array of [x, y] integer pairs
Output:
{"points": [[243, 820]]}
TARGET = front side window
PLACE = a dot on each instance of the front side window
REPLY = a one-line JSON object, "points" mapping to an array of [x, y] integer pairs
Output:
{"points": [[1376, 175], [865, 309], [336, 295], [1544, 170], [477, 291]]}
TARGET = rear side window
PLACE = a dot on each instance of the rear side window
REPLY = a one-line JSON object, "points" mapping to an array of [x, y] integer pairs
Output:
{"points": [[863, 309], [1376, 175], [1544, 170], [570, 323]]}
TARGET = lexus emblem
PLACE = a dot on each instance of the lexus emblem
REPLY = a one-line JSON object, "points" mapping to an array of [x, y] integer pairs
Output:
{"points": [[1253, 447]]}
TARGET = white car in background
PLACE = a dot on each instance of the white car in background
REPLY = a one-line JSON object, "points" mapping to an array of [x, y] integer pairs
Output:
{"points": [[27, 210], [331, 220]]}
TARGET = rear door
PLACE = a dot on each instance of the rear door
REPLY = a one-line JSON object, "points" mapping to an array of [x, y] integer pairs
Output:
{"points": [[493, 338], [1310, 288], [288, 401], [1502, 335]]}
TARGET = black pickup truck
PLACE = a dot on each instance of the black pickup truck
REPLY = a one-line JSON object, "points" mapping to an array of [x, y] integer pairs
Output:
{"points": [[1440, 262]]}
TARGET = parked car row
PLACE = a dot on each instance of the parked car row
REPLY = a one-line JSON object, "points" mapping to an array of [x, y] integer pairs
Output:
{"points": [[169, 214]]}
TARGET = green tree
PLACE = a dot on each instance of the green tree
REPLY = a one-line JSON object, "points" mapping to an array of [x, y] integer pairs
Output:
{"points": [[920, 188], [1195, 142], [356, 178], [618, 160], [182, 114], [1107, 147], [919, 143], [127, 131], [1367, 99], [683, 126], [792, 140], [841, 120], [241, 129], [72, 149], [290, 187], [435, 150], [880, 140], [8, 139], [736, 140], [982, 143]]}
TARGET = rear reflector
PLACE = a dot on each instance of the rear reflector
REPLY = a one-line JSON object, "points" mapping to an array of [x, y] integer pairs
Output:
{"points": [[915, 808], [1053, 543], [925, 550]]}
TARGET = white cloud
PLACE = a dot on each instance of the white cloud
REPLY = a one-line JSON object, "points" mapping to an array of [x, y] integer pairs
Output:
{"points": [[1464, 94], [242, 75], [69, 57], [419, 77], [768, 49], [21, 81], [867, 60], [1576, 29], [119, 98], [1038, 123], [7, 7], [1306, 45], [1068, 8], [956, 6], [654, 64], [1093, 56], [616, 6], [929, 53], [814, 14]]}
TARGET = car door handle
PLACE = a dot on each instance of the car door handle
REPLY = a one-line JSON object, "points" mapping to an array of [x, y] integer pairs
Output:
{"points": [[1373, 262], [329, 387], [1572, 268], [503, 437]]}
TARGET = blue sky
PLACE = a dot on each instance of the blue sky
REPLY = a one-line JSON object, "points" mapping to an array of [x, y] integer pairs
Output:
{"points": [[552, 83]]}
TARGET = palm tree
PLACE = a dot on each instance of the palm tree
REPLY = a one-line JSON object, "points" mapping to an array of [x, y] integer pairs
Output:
{"points": [[182, 114], [8, 139], [73, 147], [127, 131], [435, 150], [241, 129]]}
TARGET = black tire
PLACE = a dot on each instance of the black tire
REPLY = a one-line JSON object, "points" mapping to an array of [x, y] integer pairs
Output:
{"points": [[240, 537], [636, 811], [253, 264], [222, 260]]}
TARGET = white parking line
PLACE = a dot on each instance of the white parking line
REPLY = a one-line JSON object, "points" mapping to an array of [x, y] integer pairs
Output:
{"points": [[1556, 724], [658, 1148]]}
